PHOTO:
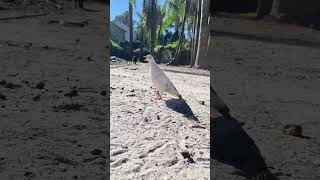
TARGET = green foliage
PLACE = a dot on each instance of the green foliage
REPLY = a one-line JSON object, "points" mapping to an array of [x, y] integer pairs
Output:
{"points": [[132, 2], [117, 50], [164, 54], [150, 22], [174, 13], [156, 25], [122, 51], [170, 46], [115, 44], [186, 46]]}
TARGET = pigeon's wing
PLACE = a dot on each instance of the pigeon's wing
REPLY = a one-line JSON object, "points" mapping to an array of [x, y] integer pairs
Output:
{"points": [[170, 88], [161, 81]]}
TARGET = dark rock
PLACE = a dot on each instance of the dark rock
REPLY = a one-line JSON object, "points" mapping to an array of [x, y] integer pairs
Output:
{"points": [[3, 97], [40, 85], [73, 93], [293, 130], [28, 174], [96, 152], [70, 107], [79, 127], [103, 93], [186, 155], [3, 82], [36, 98], [89, 58]]}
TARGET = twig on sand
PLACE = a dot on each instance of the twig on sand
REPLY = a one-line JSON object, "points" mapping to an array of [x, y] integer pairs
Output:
{"points": [[23, 16]]}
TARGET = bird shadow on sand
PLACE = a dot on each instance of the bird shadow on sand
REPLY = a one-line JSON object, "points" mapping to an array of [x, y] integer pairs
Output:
{"points": [[231, 145], [181, 106]]}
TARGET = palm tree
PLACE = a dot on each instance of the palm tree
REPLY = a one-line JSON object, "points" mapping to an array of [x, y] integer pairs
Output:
{"points": [[155, 20], [271, 7], [181, 35], [131, 4], [141, 33], [161, 14], [153, 25], [203, 33], [176, 14], [196, 13], [149, 23], [275, 10], [264, 7], [174, 10]]}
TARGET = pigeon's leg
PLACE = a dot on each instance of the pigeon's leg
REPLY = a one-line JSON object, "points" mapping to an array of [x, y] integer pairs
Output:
{"points": [[159, 95]]}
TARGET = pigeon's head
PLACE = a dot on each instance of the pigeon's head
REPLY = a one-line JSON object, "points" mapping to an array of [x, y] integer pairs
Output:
{"points": [[149, 58]]}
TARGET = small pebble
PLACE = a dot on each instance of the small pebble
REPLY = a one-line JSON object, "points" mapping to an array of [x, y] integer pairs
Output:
{"points": [[103, 93], [40, 85], [96, 152]]}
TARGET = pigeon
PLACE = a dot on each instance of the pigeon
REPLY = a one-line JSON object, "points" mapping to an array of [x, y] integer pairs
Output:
{"points": [[160, 80], [134, 59], [218, 104]]}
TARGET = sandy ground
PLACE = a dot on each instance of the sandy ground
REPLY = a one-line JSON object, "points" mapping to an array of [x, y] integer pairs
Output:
{"points": [[159, 139], [53, 115], [269, 75]]}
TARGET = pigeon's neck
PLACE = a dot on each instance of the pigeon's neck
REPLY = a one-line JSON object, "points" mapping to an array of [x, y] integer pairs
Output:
{"points": [[152, 61]]}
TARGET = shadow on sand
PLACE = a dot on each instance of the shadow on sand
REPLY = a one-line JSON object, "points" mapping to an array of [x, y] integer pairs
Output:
{"points": [[181, 106], [231, 145]]}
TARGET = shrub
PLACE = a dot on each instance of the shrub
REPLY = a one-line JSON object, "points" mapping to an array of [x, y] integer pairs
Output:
{"points": [[164, 54], [117, 49]]}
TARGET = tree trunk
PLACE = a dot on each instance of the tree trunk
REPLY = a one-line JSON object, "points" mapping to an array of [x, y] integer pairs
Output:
{"points": [[192, 40], [159, 32], [275, 10], [196, 33], [130, 30], [204, 34], [153, 25], [141, 44], [160, 25], [181, 35], [195, 29], [264, 8]]}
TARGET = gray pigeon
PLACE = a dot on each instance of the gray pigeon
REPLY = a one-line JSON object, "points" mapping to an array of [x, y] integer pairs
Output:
{"points": [[160, 79]]}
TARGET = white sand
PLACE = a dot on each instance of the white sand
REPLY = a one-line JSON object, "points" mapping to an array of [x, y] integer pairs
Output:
{"points": [[148, 135]]}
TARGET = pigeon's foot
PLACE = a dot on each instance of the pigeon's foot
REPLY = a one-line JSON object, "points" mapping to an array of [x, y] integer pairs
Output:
{"points": [[159, 95]]}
